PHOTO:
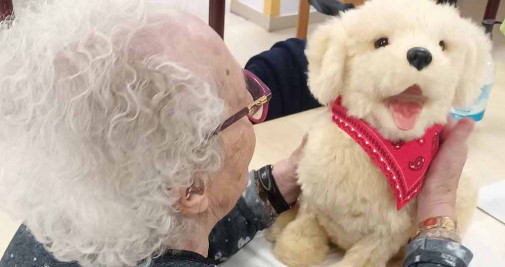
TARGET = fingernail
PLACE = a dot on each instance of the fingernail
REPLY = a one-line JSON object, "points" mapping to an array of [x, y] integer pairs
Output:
{"points": [[463, 129], [467, 123]]}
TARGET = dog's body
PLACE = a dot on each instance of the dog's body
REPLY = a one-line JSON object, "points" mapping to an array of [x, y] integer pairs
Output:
{"points": [[345, 198], [351, 206]]}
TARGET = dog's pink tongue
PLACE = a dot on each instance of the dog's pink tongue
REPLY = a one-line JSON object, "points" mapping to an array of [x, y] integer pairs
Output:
{"points": [[405, 114]]}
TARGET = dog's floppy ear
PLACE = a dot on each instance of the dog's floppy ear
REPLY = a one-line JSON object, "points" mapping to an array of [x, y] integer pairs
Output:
{"points": [[326, 53], [477, 52]]}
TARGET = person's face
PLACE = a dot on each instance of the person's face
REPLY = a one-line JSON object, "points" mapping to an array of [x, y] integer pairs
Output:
{"points": [[238, 140], [200, 49]]}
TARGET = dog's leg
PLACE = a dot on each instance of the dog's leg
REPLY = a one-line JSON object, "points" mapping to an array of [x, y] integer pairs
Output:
{"points": [[282, 221], [373, 250], [304, 242]]}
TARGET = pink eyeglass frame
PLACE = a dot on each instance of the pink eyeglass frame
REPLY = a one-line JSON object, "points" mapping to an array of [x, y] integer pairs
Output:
{"points": [[262, 99]]}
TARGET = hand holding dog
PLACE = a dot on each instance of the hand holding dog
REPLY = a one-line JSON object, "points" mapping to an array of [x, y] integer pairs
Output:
{"points": [[285, 174], [438, 197]]}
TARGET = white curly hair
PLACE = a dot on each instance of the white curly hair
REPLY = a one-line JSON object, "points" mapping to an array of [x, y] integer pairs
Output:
{"points": [[95, 142]]}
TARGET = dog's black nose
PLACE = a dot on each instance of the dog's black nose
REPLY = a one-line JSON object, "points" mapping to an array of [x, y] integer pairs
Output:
{"points": [[419, 57]]}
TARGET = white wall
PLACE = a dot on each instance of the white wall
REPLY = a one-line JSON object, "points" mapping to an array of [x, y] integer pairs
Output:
{"points": [[289, 7], [258, 5]]}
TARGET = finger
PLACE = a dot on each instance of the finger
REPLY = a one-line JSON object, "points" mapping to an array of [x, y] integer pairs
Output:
{"points": [[454, 148], [304, 140], [302, 145], [297, 154], [453, 152], [461, 131]]}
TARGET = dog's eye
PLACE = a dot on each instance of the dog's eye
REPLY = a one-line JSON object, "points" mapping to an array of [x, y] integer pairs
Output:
{"points": [[442, 45], [381, 42]]}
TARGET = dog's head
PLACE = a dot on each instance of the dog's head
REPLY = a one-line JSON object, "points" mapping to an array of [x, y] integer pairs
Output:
{"points": [[398, 64]]}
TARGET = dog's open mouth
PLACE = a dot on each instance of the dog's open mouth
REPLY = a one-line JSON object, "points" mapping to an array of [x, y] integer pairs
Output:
{"points": [[406, 107]]}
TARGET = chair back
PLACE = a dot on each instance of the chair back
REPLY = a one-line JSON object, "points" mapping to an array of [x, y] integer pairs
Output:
{"points": [[5, 9]]}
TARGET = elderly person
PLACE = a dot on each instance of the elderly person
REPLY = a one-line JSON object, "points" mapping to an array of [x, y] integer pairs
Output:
{"points": [[125, 141]]}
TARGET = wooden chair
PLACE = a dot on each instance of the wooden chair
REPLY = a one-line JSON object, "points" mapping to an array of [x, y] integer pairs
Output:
{"points": [[304, 14], [216, 15], [5, 9], [491, 9]]}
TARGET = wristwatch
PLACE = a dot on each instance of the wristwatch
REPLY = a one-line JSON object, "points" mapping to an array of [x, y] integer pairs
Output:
{"points": [[268, 188]]}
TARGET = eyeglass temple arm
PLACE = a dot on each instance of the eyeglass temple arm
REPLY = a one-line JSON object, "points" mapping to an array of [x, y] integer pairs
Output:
{"points": [[231, 120], [243, 112]]}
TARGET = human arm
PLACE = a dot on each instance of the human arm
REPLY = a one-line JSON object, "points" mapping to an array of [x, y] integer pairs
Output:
{"points": [[254, 212], [440, 246]]}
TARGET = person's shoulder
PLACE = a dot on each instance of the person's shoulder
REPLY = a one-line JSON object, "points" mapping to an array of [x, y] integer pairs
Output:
{"points": [[24, 250]]}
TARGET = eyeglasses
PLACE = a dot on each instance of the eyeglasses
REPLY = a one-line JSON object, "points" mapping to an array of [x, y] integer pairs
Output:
{"points": [[256, 111]]}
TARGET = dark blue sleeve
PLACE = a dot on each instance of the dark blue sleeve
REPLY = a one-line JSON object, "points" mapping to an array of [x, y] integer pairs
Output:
{"points": [[283, 68], [250, 215]]}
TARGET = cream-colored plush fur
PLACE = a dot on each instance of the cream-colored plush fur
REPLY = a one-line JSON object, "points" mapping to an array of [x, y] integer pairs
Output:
{"points": [[345, 198]]}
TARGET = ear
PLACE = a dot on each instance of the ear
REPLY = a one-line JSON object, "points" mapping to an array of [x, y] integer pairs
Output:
{"points": [[476, 55], [326, 54], [193, 200]]}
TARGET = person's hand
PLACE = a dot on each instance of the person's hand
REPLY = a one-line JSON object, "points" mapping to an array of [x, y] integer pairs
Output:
{"points": [[286, 176], [438, 196]]}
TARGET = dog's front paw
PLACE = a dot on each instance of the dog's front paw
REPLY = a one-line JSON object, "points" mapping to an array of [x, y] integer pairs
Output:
{"points": [[292, 252], [302, 243]]}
